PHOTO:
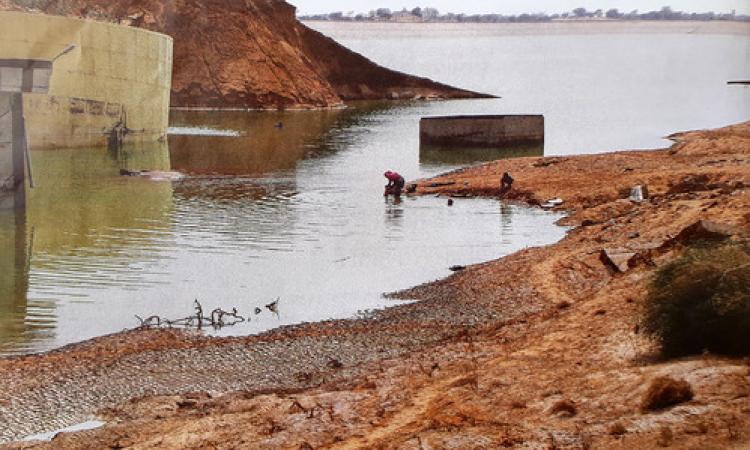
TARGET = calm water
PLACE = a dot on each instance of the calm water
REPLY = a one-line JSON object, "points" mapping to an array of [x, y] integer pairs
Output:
{"points": [[600, 86], [297, 212]]}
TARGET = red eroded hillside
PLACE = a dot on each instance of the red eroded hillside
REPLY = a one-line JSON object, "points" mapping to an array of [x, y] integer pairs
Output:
{"points": [[250, 54]]}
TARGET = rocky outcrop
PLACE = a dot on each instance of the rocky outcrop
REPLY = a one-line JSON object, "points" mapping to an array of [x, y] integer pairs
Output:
{"points": [[251, 54]]}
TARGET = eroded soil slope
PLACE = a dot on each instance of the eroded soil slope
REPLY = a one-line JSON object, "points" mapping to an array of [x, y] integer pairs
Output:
{"points": [[250, 54], [540, 349]]}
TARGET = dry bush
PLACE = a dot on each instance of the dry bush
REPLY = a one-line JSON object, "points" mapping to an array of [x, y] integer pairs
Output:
{"points": [[701, 301], [665, 392]]}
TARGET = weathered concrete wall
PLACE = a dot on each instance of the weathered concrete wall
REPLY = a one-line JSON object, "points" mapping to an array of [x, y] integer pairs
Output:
{"points": [[482, 131], [113, 73], [12, 186]]}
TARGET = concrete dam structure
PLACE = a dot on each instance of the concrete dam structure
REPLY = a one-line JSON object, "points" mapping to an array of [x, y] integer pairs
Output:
{"points": [[76, 83], [482, 131], [81, 79]]}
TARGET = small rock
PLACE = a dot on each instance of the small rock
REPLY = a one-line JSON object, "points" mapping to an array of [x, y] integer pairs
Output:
{"points": [[334, 363], [690, 183], [704, 230], [564, 408], [619, 260], [457, 268]]}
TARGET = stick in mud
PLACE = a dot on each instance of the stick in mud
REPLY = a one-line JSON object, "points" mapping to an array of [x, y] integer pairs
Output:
{"points": [[215, 320]]}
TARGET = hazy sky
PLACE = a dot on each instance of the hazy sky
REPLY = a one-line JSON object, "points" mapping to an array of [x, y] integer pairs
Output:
{"points": [[520, 6]]}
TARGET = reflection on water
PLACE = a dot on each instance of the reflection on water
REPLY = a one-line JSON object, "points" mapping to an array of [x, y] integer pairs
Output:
{"points": [[290, 207], [85, 228], [14, 269], [441, 156]]}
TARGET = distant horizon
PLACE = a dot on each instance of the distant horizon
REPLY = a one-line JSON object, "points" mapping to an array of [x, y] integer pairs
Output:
{"points": [[516, 7]]}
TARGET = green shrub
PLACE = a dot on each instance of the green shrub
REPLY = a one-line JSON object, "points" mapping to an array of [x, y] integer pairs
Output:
{"points": [[701, 301]]}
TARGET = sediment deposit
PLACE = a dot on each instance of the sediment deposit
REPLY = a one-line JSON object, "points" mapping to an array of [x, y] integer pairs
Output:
{"points": [[251, 54], [540, 349]]}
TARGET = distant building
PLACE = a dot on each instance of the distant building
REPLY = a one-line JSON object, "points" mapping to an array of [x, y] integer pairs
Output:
{"points": [[405, 17]]}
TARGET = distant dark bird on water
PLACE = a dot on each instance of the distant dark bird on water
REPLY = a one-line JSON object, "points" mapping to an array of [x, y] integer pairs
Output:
{"points": [[279, 125], [273, 306]]}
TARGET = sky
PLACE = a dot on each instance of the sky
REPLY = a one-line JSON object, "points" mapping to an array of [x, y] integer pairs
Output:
{"points": [[520, 6]]}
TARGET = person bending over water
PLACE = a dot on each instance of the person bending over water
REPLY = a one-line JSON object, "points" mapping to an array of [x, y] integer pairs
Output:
{"points": [[395, 184]]}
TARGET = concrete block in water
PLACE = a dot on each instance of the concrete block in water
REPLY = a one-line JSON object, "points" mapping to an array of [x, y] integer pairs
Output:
{"points": [[482, 131]]}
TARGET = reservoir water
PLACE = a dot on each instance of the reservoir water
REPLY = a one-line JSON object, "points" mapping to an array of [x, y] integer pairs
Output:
{"points": [[296, 211]]}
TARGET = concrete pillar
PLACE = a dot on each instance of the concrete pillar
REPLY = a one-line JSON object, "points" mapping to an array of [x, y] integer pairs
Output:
{"points": [[12, 152]]}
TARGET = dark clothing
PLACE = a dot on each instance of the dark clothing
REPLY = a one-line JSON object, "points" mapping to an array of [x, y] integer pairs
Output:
{"points": [[506, 182]]}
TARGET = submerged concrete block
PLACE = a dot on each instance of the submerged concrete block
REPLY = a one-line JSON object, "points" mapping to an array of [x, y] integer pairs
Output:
{"points": [[482, 131]]}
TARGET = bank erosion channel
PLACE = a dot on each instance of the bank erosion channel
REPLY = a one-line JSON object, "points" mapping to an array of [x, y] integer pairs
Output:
{"points": [[274, 205]]}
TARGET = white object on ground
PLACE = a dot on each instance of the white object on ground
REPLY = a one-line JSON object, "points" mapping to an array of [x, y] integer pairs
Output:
{"points": [[636, 194], [48, 436]]}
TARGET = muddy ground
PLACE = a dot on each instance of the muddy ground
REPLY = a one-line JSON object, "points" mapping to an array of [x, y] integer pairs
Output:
{"points": [[540, 349]]}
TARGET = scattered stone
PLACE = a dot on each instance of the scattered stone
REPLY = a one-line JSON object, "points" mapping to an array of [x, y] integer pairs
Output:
{"points": [[450, 202], [563, 305], [619, 260], [518, 404], [704, 230], [457, 268], [690, 183], [564, 408], [665, 392], [334, 363]]}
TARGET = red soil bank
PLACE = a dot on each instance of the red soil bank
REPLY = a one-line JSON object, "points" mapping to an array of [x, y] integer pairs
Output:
{"points": [[251, 54]]}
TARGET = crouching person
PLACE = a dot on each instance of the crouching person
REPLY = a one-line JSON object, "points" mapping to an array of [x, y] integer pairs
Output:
{"points": [[395, 184]]}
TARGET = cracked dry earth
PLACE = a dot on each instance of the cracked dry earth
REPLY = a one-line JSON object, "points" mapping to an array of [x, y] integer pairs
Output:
{"points": [[539, 349]]}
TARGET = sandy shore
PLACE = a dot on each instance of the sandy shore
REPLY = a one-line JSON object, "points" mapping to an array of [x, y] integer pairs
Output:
{"points": [[535, 350]]}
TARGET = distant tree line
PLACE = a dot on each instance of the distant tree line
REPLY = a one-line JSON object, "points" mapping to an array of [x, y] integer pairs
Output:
{"points": [[433, 15]]}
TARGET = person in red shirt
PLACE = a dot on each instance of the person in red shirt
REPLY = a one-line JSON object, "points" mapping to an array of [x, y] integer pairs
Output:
{"points": [[395, 184]]}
